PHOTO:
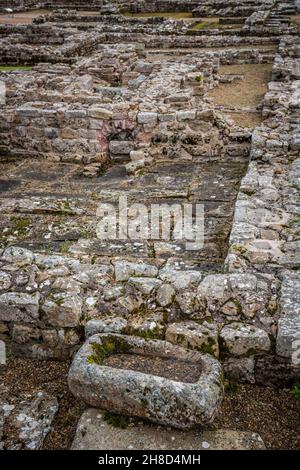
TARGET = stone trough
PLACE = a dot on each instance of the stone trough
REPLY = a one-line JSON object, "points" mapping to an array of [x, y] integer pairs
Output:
{"points": [[150, 379]]}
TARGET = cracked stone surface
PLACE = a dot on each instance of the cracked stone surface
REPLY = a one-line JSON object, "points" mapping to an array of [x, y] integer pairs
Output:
{"points": [[94, 433]]}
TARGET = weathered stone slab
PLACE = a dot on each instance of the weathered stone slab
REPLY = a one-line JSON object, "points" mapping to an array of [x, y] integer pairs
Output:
{"points": [[2, 357], [95, 433], [63, 309], [19, 306], [107, 325], [125, 269]]}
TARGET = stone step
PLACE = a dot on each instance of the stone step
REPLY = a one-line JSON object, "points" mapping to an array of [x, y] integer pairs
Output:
{"points": [[96, 431]]}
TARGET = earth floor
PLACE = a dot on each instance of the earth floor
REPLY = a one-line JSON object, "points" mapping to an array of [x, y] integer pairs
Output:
{"points": [[272, 413]]}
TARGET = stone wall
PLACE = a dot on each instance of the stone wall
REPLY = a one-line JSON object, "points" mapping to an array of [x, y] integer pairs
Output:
{"points": [[264, 236], [73, 123], [54, 44], [147, 127]]}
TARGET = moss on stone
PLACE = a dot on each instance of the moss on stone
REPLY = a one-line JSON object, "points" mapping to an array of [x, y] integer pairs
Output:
{"points": [[108, 346], [208, 24], [118, 421], [64, 247], [177, 15], [155, 333], [22, 225], [248, 191], [13, 68], [239, 306], [272, 307], [238, 248], [209, 348], [295, 222]]}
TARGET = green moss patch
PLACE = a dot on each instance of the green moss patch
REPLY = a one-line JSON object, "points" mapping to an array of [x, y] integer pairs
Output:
{"points": [[108, 346], [118, 421], [206, 24]]}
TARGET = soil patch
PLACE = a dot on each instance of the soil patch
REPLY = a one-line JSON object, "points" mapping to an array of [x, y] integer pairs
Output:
{"points": [[296, 19], [30, 375], [169, 368], [271, 412], [250, 120], [248, 92]]}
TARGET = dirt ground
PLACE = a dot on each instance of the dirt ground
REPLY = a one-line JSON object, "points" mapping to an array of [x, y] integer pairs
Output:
{"points": [[21, 18], [245, 93], [179, 371], [248, 92], [28, 375], [250, 120], [167, 14], [296, 19], [273, 413]]}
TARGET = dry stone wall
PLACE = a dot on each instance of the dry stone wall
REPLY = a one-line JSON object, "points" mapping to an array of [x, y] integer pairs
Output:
{"points": [[99, 118]]}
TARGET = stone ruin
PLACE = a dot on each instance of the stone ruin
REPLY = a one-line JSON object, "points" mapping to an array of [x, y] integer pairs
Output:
{"points": [[113, 102]]}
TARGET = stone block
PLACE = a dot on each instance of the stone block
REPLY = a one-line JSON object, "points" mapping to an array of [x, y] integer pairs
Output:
{"points": [[62, 309], [94, 433], [191, 335], [19, 306], [121, 147], [147, 118], [241, 339], [126, 269]]}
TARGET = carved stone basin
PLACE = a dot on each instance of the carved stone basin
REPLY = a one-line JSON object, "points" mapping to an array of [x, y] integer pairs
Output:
{"points": [[150, 379]]}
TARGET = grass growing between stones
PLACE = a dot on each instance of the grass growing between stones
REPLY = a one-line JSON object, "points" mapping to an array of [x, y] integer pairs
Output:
{"points": [[296, 391], [12, 68], [207, 23], [168, 14]]}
